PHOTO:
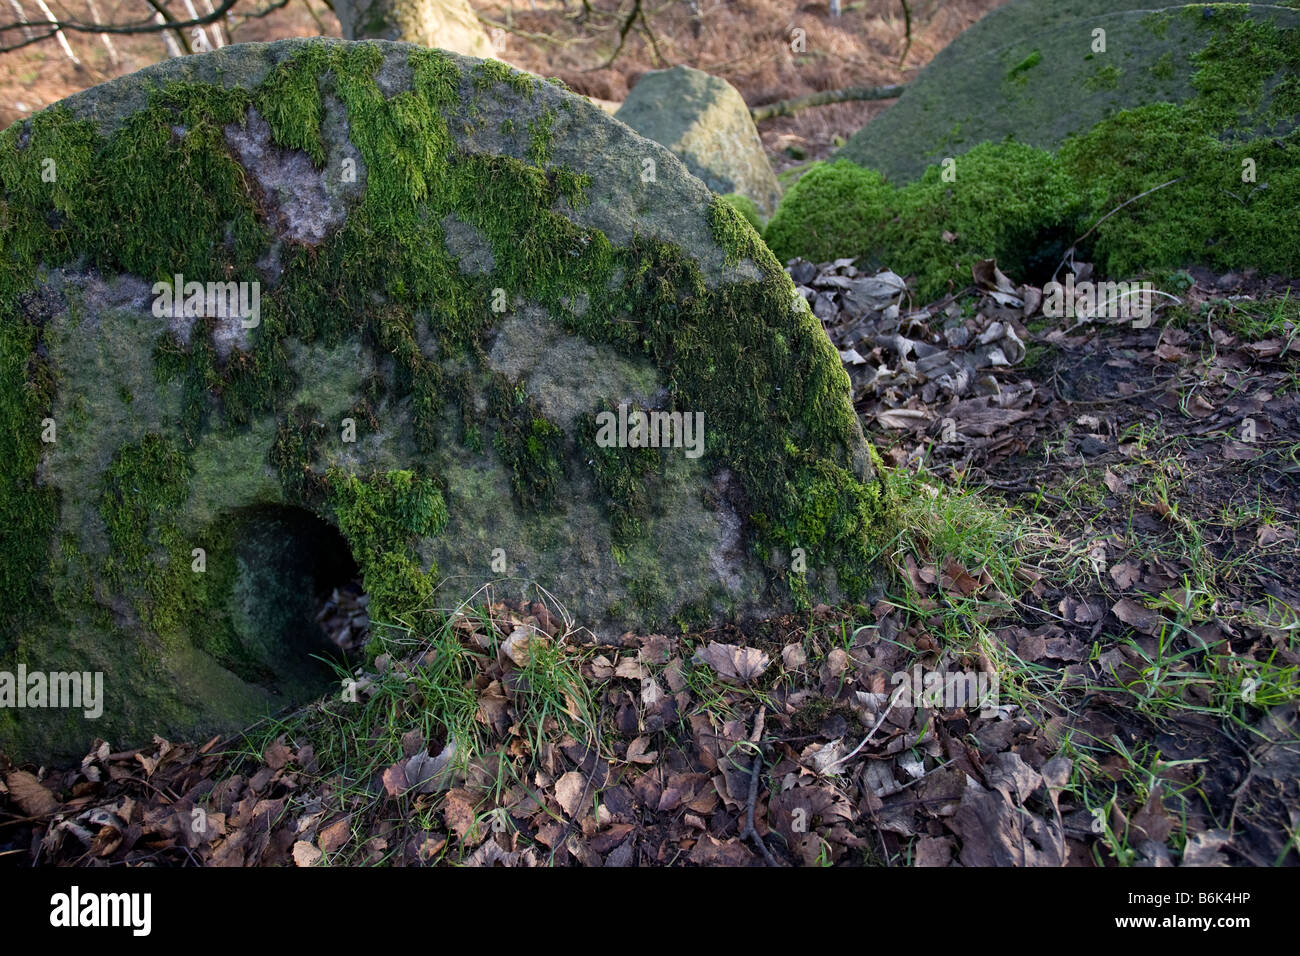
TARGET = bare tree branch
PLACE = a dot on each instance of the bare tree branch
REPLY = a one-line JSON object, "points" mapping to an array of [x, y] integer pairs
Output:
{"points": [[907, 21], [178, 38], [59, 34], [623, 31], [132, 26]]}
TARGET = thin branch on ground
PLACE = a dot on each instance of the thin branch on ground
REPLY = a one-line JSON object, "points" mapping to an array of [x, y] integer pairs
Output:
{"points": [[749, 832], [1074, 245], [824, 98], [867, 739]]}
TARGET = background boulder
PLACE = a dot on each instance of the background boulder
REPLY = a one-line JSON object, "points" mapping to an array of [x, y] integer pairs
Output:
{"points": [[444, 24], [1175, 147], [704, 120], [1037, 71]]}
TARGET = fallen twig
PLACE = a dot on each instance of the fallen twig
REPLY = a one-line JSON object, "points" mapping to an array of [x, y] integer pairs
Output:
{"points": [[847, 94], [867, 739], [1074, 245], [749, 832]]}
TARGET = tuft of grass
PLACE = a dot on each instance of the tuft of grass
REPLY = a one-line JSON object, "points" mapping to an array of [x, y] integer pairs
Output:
{"points": [[428, 680]]}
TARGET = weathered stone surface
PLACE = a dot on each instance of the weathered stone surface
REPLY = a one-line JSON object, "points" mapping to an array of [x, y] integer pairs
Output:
{"points": [[456, 268], [1029, 70], [704, 120], [444, 24]]}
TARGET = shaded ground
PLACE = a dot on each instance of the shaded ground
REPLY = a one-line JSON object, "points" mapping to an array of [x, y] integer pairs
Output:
{"points": [[1127, 573]]}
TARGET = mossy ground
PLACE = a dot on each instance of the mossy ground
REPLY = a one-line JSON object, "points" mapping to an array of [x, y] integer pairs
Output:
{"points": [[1007, 201], [718, 349], [1023, 205]]}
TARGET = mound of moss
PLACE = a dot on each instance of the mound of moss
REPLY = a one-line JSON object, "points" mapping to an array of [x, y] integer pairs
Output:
{"points": [[1007, 201], [1166, 184], [457, 269]]}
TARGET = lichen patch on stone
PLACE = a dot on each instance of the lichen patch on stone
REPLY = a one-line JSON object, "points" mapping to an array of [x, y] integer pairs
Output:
{"points": [[468, 245], [567, 376], [302, 209]]}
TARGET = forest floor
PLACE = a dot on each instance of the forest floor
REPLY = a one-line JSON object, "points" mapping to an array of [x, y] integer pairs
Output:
{"points": [[747, 42], [1098, 539], [1098, 557]]}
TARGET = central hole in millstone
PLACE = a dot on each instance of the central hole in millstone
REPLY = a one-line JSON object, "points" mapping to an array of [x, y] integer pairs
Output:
{"points": [[344, 616], [298, 602]]}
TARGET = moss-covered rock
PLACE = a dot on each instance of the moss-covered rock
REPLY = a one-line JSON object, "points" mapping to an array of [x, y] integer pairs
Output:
{"points": [[456, 270], [1202, 180], [1041, 70], [1010, 202], [704, 120]]}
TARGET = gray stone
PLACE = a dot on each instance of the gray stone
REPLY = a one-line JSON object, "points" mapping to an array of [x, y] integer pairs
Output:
{"points": [[704, 120], [459, 267], [444, 24], [1029, 70]]}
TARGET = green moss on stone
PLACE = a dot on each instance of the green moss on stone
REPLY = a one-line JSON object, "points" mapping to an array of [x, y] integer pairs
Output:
{"points": [[1024, 66], [145, 481], [736, 235], [1106, 78], [531, 448], [294, 454], [747, 208], [1243, 62], [717, 349], [621, 476], [490, 73], [540, 136], [381, 518], [1163, 68], [28, 511], [1008, 201]]}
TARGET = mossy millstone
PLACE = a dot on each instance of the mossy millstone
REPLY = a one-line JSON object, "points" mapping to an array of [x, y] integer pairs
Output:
{"points": [[458, 266]]}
